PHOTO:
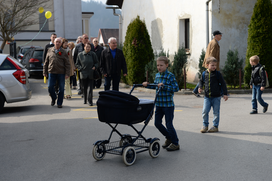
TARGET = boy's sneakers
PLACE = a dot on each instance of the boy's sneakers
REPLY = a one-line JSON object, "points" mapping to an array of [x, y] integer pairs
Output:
{"points": [[255, 111], [196, 94], [204, 129], [172, 147], [265, 109], [213, 129], [166, 143]]}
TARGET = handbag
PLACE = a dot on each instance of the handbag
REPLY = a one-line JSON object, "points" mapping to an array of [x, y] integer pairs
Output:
{"points": [[96, 75]]}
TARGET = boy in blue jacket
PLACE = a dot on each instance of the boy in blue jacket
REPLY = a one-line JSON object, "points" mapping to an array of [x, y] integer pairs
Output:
{"points": [[214, 85]]}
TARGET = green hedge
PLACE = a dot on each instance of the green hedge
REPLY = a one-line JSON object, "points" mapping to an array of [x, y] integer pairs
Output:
{"points": [[137, 51], [260, 38]]}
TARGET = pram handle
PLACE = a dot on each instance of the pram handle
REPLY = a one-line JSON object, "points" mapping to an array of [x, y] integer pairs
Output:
{"points": [[141, 85]]}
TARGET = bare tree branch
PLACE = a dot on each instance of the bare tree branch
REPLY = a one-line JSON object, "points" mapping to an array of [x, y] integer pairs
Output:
{"points": [[17, 15]]}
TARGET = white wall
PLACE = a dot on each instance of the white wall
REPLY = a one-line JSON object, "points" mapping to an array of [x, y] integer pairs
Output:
{"points": [[68, 18], [162, 20]]}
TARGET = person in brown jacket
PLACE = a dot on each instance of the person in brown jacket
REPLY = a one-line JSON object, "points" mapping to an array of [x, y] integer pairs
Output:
{"points": [[56, 67], [213, 50]]}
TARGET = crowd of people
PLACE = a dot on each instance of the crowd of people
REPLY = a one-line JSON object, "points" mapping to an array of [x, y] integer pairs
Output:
{"points": [[66, 62]]}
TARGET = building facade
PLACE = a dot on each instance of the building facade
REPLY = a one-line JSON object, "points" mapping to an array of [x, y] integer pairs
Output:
{"points": [[175, 23]]}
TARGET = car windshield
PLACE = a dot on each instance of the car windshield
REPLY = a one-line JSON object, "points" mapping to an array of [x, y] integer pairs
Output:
{"points": [[24, 50], [38, 54]]}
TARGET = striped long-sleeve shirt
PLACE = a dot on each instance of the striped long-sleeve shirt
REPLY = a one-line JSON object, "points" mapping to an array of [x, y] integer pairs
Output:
{"points": [[165, 97]]}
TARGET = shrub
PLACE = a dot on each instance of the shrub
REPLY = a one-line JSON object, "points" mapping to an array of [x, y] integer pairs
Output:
{"points": [[201, 60], [231, 68], [259, 38], [179, 63], [137, 51]]}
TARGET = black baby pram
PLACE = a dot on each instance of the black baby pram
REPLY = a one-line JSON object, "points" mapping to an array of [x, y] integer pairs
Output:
{"points": [[115, 108]]}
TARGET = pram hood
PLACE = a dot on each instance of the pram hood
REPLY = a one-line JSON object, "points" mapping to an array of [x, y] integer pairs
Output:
{"points": [[120, 97]]}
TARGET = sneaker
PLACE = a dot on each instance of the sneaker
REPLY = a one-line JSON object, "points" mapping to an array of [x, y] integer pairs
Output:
{"points": [[204, 129], [172, 147], [253, 112], [166, 143], [197, 95], [213, 130], [265, 109]]}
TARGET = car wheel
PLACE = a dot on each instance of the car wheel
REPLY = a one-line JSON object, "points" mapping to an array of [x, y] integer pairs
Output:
{"points": [[2, 102]]}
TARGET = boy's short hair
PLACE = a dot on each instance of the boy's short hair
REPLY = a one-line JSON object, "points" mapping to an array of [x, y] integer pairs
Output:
{"points": [[254, 58], [163, 58], [210, 60]]}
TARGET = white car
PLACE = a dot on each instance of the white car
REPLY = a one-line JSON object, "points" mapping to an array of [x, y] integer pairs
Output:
{"points": [[14, 83]]}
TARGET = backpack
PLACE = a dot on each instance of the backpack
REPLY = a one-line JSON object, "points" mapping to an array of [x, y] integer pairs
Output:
{"points": [[260, 71]]}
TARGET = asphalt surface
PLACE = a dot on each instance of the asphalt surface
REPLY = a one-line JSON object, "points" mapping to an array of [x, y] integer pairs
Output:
{"points": [[41, 142]]}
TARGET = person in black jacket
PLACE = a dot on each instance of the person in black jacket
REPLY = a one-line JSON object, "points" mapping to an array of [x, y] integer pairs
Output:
{"points": [[97, 50], [214, 85], [257, 84], [49, 45], [112, 62], [80, 48]]}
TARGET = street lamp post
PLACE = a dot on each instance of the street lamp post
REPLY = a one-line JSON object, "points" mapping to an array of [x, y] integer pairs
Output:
{"points": [[120, 22]]}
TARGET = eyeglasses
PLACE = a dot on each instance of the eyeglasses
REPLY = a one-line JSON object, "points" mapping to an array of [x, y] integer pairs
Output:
{"points": [[86, 38], [95, 41]]}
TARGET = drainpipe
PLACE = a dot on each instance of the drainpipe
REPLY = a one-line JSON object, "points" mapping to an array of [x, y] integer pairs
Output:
{"points": [[207, 25], [120, 26]]}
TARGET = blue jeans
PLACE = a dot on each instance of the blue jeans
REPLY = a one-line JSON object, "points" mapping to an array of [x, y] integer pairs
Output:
{"points": [[115, 78], [257, 95], [51, 83], [208, 103], [196, 89], [169, 132]]}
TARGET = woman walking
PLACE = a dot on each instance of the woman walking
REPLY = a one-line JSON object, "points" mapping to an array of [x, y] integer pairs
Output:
{"points": [[73, 80], [68, 92], [86, 63]]}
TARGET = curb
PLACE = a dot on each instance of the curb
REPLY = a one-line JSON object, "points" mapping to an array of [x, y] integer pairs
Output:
{"points": [[189, 92]]}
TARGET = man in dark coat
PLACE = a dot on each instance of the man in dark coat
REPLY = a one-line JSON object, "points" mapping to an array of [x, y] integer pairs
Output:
{"points": [[97, 50], [80, 48], [49, 45], [112, 62]]}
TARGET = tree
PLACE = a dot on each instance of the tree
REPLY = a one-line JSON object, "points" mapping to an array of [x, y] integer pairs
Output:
{"points": [[137, 50], [259, 37], [231, 68], [201, 60], [16, 15], [179, 63]]}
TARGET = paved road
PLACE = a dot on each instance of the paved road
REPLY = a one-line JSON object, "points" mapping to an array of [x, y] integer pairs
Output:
{"points": [[39, 142]]}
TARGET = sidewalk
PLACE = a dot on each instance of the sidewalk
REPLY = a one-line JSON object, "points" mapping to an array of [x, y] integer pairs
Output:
{"points": [[188, 92]]}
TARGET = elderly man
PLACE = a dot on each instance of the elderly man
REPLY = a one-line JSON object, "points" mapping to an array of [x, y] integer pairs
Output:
{"points": [[213, 50], [79, 48], [112, 62], [97, 50], [56, 67]]}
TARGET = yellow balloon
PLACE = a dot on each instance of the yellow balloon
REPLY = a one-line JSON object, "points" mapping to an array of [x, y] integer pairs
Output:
{"points": [[48, 14], [41, 9]]}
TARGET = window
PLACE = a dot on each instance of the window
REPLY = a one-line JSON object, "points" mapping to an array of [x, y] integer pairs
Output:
{"points": [[184, 34]]}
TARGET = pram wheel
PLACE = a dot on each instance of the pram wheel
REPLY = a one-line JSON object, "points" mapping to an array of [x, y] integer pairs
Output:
{"points": [[129, 155], [99, 151], [154, 149], [125, 140]]}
